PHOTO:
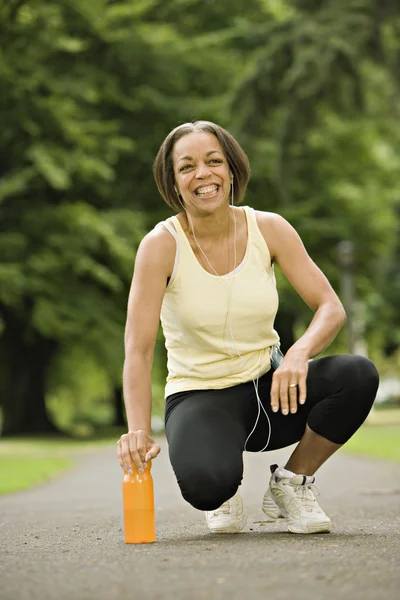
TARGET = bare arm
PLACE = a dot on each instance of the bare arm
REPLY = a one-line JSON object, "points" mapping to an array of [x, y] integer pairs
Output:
{"points": [[153, 266], [288, 251]]}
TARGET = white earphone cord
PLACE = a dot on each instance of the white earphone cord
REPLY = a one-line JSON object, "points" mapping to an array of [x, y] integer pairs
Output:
{"points": [[229, 290]]}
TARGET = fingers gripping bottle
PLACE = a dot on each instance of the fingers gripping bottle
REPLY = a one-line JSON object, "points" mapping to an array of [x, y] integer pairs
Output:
{"points": [[138, 505]]}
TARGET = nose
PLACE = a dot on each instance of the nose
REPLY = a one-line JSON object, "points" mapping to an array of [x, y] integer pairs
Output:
{"points": [[202, 171]]}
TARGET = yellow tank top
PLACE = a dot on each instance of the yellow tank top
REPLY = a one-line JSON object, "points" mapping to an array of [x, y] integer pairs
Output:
{"points": [[209, 347]]}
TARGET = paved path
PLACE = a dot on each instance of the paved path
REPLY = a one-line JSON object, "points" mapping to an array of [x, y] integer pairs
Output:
{"points": [[63, 540]]}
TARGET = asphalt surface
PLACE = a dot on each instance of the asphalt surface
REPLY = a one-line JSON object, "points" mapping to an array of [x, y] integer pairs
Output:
{"points": [[63, 540]]}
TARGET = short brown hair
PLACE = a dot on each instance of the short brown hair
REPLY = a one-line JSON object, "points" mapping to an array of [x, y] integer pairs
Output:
{"points": [[163, 167]]}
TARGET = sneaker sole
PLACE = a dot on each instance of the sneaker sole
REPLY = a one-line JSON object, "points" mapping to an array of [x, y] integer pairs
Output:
{"points": [[237, 528], [310, 528]]}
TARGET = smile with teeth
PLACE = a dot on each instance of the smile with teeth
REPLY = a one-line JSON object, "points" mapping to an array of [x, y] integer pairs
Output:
{"points": [[208, 190]]}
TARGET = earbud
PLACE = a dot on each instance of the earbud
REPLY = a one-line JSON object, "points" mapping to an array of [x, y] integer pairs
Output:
{"points": [[178, 194]]}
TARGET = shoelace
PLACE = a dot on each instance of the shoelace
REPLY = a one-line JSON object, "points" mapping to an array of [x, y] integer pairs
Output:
{"points": [[306, 493]]}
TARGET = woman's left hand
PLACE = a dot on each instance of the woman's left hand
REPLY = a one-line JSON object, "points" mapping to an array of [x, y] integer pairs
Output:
{"points": [[289, 382]]}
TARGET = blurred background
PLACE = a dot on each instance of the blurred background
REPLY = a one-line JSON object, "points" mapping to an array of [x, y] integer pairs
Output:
{"points": [[89, 90]]}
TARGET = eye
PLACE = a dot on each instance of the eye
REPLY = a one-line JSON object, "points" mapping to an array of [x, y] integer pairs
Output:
{"points": [[218, 161], [185, 168]]}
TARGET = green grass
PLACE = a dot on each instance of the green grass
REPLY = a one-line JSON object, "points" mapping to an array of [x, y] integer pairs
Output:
{"points": [[26, 462], [19, 473], [376, 441], [379, 437]]}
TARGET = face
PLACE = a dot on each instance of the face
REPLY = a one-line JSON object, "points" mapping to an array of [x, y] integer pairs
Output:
{"points": [[202, 174]]}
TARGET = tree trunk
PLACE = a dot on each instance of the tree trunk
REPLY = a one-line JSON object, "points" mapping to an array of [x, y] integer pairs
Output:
{"points": [[119, 412], [24, 363]]}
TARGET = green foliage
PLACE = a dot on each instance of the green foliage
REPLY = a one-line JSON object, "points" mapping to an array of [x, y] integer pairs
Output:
{"points": [[89, 91], [79, 390], [317, 107], [68, 233]]}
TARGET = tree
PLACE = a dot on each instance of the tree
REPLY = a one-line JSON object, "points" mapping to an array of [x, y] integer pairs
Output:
{"points": [[90, 90], [322, 140], [66, 248]]}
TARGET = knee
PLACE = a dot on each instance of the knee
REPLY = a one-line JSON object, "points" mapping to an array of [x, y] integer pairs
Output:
{"points": [[207, 489], [364, 374], [362, 381]]}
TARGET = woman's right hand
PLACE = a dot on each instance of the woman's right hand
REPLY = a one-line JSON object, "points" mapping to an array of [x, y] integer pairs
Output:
{"points": [[137, 447]]}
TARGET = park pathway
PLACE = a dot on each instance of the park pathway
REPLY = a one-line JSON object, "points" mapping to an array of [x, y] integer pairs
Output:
{"points": [[63, 540]]}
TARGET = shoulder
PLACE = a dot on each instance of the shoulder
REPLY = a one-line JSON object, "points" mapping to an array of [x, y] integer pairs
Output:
{"points": [[158, 241], [157, 249], [270, 221], [275, 230]]}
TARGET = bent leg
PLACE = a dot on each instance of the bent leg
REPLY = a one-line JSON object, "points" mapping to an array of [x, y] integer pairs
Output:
{"points": [[206, 439], [340, 393], [349, 384]]}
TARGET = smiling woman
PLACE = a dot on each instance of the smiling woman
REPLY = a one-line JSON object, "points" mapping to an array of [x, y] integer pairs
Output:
{"points": [[223, 149], [208, 274]]}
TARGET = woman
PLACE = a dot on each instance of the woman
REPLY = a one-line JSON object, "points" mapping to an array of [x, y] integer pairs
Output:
{"points": [[208, 272]]}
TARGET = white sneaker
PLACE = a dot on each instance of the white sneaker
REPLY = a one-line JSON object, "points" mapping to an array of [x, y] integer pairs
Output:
{"points": [[295, 496], [270, 507], [231, 517]]}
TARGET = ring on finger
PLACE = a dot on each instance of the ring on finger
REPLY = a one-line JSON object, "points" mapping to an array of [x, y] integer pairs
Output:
{"points": [[293, 385]]}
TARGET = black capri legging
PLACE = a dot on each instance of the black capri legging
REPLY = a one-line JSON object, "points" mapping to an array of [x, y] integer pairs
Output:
{"points": [[207, 429]]}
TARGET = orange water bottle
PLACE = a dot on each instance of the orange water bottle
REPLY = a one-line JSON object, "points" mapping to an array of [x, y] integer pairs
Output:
{"points": [[138, 505]]}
